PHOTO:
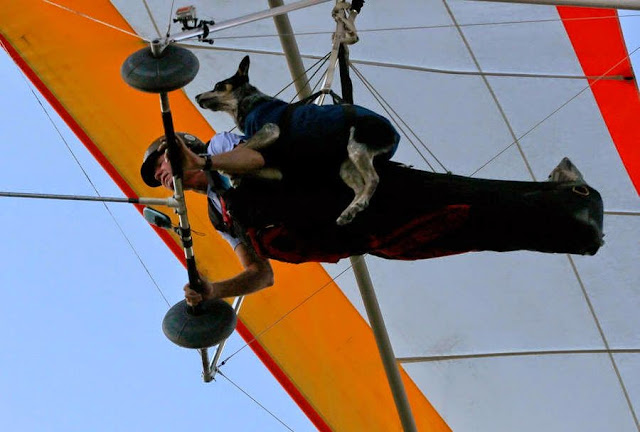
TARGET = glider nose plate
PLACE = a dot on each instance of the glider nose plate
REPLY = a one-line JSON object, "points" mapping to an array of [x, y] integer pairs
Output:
{"points": [[214, 323], [173, 69]]}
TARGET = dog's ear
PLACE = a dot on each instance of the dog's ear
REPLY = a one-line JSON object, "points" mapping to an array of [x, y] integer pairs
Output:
{"points": [[243, 69]]}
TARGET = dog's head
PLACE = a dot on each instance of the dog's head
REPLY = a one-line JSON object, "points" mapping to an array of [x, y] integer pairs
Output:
{"points": [[225, 94]]}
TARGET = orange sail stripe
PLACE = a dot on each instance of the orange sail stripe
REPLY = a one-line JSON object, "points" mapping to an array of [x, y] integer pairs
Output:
{"points": [[600, 47]]}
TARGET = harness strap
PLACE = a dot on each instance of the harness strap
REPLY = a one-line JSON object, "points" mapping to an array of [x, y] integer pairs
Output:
{"points": [[220, 220], [285, 120], [349, 115]]}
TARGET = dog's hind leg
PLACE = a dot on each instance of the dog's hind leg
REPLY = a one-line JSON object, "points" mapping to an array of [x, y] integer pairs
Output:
{"points": [[360, 175], [352, 178]]}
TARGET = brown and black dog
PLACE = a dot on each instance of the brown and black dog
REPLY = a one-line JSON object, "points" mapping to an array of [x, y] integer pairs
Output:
{"points": [[364, 135]]}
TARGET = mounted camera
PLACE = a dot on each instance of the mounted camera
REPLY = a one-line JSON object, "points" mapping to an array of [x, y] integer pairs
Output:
{"points": [[186, 16]]}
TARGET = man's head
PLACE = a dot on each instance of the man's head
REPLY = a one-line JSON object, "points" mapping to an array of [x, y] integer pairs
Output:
{"points": [[156, 170]]}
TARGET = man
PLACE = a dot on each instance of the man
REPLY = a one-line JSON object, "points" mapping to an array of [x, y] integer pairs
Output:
{"points": [[201, 164], [414, 215]]}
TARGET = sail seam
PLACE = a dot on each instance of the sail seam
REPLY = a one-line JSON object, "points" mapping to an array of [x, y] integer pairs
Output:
{"points": [[411, 67], [604, 340], [515, 138], [425, 27]]}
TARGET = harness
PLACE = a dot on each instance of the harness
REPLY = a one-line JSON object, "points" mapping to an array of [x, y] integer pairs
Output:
{"points": [[221, 221], [348, 110]]}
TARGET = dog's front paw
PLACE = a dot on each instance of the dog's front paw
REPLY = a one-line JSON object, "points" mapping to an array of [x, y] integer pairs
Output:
{"points": [[267, 135], [271, 130]]}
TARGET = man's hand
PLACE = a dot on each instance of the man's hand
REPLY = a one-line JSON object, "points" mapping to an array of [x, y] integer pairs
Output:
{"points": [[190, 160], [193, 297]]}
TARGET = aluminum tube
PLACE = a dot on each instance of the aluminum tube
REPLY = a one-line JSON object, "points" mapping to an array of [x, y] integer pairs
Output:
{"points": [[178, 192], [327, 82], [384, 344], [237, 303], [248, 18], [366, 288], [291, 51], [169, 202], [608, 4], [363, 279], [206, 370]]}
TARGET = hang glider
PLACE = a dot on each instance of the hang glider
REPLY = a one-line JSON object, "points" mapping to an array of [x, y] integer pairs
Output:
{"points": [[494, 91]]}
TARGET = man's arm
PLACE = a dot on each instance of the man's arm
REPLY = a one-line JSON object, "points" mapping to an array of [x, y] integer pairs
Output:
{"points": [[257, 275], [240, 160]]}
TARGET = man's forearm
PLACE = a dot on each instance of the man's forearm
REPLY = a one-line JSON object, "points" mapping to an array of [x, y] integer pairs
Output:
{"points": [[238, 161], [247, 282]]}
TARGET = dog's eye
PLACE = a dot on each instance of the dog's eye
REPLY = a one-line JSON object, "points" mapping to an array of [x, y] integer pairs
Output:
{"points": [[220, 87]]}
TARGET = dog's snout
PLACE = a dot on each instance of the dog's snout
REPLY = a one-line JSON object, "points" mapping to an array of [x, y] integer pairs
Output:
{"points": [[200, 100]]}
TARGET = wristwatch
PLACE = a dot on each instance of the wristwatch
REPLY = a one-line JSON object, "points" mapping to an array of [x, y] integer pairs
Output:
{"points": [[207, 162]]}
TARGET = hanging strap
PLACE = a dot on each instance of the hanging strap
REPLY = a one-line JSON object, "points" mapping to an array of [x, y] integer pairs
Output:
{"points": [[220, 220], [285, 120]]}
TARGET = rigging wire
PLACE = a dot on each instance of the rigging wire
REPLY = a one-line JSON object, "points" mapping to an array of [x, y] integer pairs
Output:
{"points": [[153, 20], [170, 18], [320, 63], [254, 400], [326, 58], [591, 84], [393, 115], [95, 19], [318, 83], [255, 338], [75, 158], [431, 27]]}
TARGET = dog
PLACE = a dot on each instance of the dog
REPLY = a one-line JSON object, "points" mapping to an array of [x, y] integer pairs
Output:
{"points": [[353, 142]]}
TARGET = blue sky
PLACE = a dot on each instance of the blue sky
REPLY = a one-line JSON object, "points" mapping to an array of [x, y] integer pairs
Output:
{"points": [[83, 347], [82, 343]]}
